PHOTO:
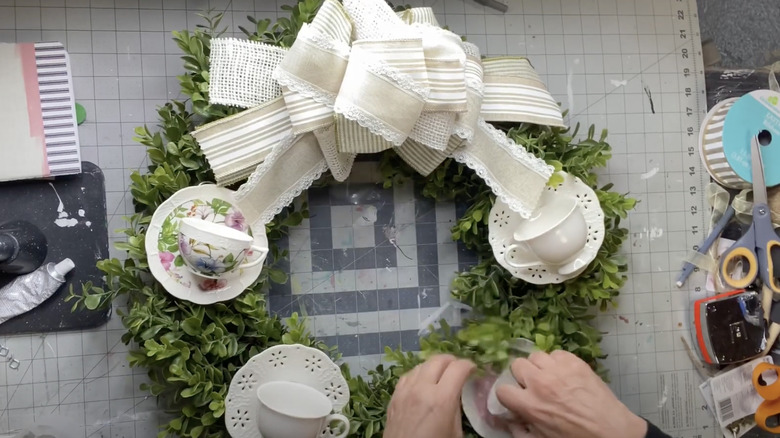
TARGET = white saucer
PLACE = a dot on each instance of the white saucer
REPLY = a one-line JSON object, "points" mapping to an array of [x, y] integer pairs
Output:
{"points": [[475, 392], [504, 221], [207, 202], [292, 363]]}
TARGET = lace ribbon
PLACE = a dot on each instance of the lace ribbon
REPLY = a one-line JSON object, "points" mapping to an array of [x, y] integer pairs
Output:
{"points": [[405, 84], [292, 167]]}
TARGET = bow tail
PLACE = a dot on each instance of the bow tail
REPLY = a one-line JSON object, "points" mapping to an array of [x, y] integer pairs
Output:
{"points": [[514, 175], [291, 168]]}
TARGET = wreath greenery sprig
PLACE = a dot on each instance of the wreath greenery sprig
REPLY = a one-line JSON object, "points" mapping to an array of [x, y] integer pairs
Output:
{"points": [[191, 352]]}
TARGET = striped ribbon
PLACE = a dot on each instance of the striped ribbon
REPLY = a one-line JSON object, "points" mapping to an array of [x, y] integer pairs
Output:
{"points": [[236, 145], [363, 79]]}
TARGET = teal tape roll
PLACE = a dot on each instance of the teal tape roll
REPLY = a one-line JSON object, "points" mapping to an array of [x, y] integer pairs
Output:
{"points": [[753, 112]]}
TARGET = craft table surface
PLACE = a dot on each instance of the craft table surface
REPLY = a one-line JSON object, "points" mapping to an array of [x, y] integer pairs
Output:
{"points": [[81, 235], [613, 63]]}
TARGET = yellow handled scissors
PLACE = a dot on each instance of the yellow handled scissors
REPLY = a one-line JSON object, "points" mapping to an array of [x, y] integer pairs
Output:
{"points": [[754, 251], [768, 413]]}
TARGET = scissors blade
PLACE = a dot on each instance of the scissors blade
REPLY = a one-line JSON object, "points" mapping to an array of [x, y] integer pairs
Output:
{"points": [[757, 166]]}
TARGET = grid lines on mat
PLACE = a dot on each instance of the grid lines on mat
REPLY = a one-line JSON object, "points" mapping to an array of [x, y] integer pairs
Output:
{"points": [[369, 266]]}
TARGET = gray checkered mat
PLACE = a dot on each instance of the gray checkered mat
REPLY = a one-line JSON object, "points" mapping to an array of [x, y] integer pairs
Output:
{"points": [[370, 265]]}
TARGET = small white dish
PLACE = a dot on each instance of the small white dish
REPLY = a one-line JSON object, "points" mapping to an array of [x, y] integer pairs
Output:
{"points": [[207, 202], [295, 410], [494, 406], [288, 363], [503, 222], [474, 399]]}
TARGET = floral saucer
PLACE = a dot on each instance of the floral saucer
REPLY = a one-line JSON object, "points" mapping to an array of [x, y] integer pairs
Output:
{"points": [[207, 202], [292, 363], [503, 222]]}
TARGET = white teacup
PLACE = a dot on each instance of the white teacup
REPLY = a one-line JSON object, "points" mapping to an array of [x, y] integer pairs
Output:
{"points": [[295, 410], [210, 249], [555, 235]]}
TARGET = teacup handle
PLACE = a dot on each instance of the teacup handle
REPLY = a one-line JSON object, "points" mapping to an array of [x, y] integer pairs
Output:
{"points": [[339, 418], [513, 264], [256, 261]]}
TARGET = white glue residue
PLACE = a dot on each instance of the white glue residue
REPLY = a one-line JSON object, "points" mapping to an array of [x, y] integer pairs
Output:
{"points": [[66, 223], [616, 83], [63, 220], [649, 174], [653, 233]]}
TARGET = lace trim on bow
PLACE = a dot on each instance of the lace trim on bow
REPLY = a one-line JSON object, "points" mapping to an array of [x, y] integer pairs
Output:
{"points": [[340, 164], [476, 86], [304, 88], [368, 121], [529, 160], [518, 151], [403, 80], [464, 132], [304, 182], [322, 41], [466, 158]]}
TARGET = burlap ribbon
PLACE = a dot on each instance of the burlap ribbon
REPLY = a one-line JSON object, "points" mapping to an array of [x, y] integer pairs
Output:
{"points": [[363, 79]]}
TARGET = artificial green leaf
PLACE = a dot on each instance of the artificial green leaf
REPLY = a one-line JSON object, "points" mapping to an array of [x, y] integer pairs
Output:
{"points": [[92, 302], [191, 326], [277, 276]]}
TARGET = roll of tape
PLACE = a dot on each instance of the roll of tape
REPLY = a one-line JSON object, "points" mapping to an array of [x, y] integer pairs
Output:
{"points": [[756, 111]]}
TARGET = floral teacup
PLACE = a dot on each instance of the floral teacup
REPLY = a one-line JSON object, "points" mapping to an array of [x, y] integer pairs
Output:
{"points": [[210, 249]]}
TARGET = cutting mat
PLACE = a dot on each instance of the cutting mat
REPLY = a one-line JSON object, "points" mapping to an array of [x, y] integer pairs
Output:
{"points": [[653, 103], [631, 66]]}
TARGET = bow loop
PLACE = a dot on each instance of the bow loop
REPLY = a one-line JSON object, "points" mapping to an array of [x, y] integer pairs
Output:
{"points": [[377, 89], [242, 72], [514, 91]]}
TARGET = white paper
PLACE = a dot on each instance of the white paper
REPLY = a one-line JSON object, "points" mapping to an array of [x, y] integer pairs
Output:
{"points": [[737, 428], [733, 392], [677, 407]]}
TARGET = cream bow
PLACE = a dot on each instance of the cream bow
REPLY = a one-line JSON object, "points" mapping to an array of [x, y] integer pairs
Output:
{"points": [[362, 79]]}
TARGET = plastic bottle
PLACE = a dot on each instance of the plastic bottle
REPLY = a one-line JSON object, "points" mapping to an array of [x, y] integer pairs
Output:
{"points": [[28, 291]]}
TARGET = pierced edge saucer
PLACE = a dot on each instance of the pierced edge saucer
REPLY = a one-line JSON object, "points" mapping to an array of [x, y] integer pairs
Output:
{"points": [[237, 282], [294, 363], [468, 399], [502, 221]]}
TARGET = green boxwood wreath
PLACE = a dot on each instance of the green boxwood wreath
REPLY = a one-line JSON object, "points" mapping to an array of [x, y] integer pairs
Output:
{"points": [[191, 352]]}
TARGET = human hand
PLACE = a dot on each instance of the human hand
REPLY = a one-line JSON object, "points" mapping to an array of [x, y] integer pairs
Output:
{"points": [[426, 401], [560, 396]]}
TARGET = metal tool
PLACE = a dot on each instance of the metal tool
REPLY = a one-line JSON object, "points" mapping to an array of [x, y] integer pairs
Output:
{"points": [[768, 412], [751, 257], [499, 5]]}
